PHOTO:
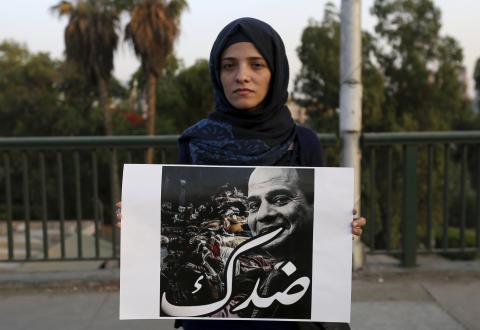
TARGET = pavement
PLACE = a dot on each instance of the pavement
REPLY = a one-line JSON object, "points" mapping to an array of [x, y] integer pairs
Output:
{"points": [[437, 294]]}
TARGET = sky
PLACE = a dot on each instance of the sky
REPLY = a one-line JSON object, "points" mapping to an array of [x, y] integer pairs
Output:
{"points": [[31, 23]]}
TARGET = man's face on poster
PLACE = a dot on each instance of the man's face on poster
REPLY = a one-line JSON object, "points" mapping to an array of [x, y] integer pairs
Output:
{"points": [[276, 200]]}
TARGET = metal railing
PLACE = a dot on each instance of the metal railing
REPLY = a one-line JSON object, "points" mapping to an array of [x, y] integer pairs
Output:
{"points": [[59, 194], [420, 193]]}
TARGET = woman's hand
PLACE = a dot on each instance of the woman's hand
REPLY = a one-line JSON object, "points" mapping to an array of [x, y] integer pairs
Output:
{"points": [[357, 224], [118, 213]]}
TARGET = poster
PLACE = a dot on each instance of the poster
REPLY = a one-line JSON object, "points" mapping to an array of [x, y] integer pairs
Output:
{"points": [[263, 243]]}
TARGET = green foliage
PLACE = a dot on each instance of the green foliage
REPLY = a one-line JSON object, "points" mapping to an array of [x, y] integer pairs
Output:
{"points": [[40, 96], [196, 94], [412, 76], [29, 93], [154, 25], [91, 36], [317, 85], [454, 237], [319, 54], [424, 69], [413, 80], [425, 89], [26, 89], [184, 95], [454, 241]]}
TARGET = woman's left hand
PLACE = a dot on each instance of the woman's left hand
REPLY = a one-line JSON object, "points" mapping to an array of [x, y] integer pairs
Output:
{"points": [[118, 214], [357, 224]]}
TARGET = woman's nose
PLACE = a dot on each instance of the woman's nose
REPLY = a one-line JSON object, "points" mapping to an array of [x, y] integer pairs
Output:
{"points": [[243, 73]]}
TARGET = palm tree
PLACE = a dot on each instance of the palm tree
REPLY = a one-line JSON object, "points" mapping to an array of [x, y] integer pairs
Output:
{"points": [[153, 28], [91, 38]]}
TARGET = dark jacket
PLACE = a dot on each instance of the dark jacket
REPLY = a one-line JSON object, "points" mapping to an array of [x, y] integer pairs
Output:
{"points": [[307, 151]]}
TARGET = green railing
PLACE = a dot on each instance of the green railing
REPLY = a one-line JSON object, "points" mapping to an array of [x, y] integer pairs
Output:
{"points": [[59, 194], [420, 193]]}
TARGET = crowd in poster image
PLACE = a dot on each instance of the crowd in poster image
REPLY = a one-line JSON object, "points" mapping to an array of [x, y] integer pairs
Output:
{"points": [[197, 240]]}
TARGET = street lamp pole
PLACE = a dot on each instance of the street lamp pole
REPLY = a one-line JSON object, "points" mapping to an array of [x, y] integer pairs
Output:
{"points": [[351, 100]]}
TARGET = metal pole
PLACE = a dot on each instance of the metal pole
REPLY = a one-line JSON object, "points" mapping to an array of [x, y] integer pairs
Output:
{"points": [[409, 235], [351, 100]]}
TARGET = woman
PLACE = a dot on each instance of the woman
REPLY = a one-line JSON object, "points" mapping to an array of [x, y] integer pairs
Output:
{"points": [[251, 124]]}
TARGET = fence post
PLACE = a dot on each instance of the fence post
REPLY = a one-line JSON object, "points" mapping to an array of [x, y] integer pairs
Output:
{"points": [[409, 207]]}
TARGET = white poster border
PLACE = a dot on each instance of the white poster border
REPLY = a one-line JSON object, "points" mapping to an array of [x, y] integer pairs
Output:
{"points": [[140, 244]]}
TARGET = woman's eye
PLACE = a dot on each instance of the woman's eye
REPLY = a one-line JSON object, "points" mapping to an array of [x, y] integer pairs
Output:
{"points": [[227, 66], [258, 65]]}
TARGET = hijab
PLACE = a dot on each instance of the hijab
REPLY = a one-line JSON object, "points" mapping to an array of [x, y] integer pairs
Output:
{"points": [[260, 136]]}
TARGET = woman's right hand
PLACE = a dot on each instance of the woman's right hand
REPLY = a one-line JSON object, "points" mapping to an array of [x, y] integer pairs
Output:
{"points": [[118, 213]]}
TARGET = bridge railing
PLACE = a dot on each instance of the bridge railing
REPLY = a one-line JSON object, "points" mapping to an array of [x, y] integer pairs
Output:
{"points": [[420, 193], [59, 194]]}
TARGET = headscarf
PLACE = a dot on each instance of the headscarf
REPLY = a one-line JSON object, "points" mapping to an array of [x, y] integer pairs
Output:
{"points": [[260, 136]]}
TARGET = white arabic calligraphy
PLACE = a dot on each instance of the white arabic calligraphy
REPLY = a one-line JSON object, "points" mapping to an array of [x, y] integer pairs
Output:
{"points": [[197, 285], [283, 297]]}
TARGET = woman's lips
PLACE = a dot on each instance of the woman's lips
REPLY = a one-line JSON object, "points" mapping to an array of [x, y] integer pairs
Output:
{"points": [[243, 91]]}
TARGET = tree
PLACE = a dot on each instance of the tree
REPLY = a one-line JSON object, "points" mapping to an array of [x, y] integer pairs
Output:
{"points": [[40, 96], [153, 28], [425, 90], [184, 94], [413, 79], [317, 86], [450, 98], [193, 95], [412, 76], [90, 42], [425, 87]]}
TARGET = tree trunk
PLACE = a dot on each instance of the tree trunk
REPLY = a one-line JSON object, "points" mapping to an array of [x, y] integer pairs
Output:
{"points": [[152, 106], [105, 106], [108, 125]]}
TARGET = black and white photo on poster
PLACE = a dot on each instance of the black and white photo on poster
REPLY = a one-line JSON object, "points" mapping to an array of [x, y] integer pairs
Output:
{"points": [[263, 243], [236, 242]]}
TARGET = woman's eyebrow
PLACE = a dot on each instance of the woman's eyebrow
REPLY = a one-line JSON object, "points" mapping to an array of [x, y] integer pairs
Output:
{"points": [[233, 58]]}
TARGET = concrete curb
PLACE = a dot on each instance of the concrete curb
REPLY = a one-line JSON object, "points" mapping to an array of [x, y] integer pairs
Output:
{"points": [[378, 268], [102, 279]]}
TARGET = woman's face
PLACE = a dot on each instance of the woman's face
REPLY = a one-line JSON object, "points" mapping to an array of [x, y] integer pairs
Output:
{"points": [[245, 76]]}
